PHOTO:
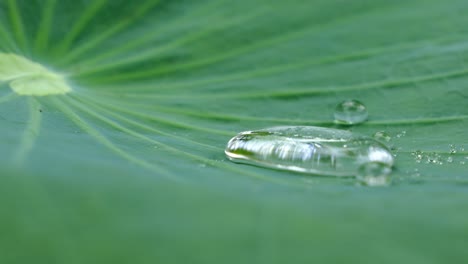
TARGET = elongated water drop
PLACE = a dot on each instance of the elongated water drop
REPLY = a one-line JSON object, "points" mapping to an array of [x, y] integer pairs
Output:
{"points": [[350, 112], [308, 149]]}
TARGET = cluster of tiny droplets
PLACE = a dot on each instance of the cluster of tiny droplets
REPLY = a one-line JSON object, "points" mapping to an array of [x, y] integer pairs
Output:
{"points": [[418, 156], [397, 136], [428, 158], [453, 149], [435, 158], [413, 173], [401, 134]]}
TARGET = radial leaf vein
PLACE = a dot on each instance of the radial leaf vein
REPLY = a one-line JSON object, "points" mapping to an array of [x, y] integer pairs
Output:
{"points": [[202, 11], [80, 122], [130, 131], [230, 117], [211, 162], [7, 42], [80, 24], [288, 67], [17, 23], [102, 36], [296, 92], [42, 35], [225, 55], [140, 124], [156, 51], [162, 120], [30, 133], [226, 117]]}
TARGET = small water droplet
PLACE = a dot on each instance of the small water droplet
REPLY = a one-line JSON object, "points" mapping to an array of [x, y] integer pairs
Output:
{"points": [[449, 159], [418, 156], [350, 112], [453, 149], [382, 136], [416, 173], [315, 150], [462, 162], [401, 134], [374, 174], [434, 158]]}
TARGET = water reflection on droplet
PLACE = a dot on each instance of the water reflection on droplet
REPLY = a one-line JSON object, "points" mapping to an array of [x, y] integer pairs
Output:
{"points": [[374, 174], [350, 112]]}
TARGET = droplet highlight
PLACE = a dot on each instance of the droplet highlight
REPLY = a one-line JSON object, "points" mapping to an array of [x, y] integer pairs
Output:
{"points": [[374, 174], [453, 149], [350, 112], [308, 149]]}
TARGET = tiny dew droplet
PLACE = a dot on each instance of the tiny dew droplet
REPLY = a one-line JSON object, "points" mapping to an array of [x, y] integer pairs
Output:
{"points": [[401, 134], [453, 149], [350, 112], [416, 173], [308, 149], [374, 174], [382, 136]]}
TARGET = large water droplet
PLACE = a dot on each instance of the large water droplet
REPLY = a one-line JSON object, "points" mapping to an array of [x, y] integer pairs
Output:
{"points": [[350, 112], [308, 149]]}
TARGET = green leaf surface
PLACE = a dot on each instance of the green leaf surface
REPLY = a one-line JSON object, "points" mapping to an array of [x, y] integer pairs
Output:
{"points": [[126, 164]]}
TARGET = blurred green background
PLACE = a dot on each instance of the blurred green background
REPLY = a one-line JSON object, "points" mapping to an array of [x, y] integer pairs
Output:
{"points": [[130, 168]]}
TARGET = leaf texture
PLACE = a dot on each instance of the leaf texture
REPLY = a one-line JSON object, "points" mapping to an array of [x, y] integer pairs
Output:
{"points": [[128, 164]]}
